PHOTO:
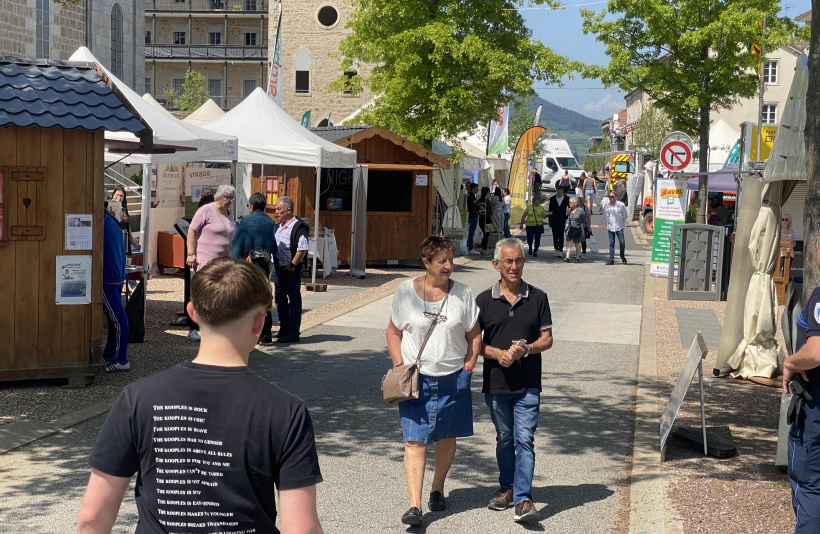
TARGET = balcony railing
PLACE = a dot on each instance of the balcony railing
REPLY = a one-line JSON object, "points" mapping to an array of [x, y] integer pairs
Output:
{"points": [[208, 6], [204, 52]]}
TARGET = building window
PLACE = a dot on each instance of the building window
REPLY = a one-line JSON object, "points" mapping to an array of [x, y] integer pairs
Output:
{"points": [[42, 28], [302, 71], [247, 87], [250, 5], [116, 41], [147, 36], [328, 16], [148, 86], [770, 73], [180, 1], [178, 83], [250, 38], [214, 38], [769, 114], [215, 89], [349, 74], [179, 38]]}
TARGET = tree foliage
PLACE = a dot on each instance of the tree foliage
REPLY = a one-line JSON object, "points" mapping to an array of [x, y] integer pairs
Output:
{"points": [[441, 66], [652, 128], [194, 92], [691, 56], [597, 164]]}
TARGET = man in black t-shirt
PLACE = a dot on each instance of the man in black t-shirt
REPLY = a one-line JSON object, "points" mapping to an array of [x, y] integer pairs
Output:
{"points": [[517, 326], [804, 436], [210, 441]]}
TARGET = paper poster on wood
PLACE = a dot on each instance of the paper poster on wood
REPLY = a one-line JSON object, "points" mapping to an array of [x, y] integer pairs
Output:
{"points": [[421, 179], [200, 182], [169, 186], [73, 280], [78, 234]]}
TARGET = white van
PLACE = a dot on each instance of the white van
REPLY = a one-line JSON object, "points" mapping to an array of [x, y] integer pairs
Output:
{"points": [[557, 158]]}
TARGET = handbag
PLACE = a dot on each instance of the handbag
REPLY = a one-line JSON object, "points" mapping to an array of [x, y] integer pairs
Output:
{"points": [[539, 229], [401, 383], [593, 245]]}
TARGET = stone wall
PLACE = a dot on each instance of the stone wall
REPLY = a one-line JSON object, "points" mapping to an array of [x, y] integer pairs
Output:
{"points": [[67, 32], [302, 30], [166, 71]]}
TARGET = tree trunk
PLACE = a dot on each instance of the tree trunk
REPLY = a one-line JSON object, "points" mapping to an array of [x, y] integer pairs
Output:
{"points": [[703, 180], [811, 210], [703, 134]]}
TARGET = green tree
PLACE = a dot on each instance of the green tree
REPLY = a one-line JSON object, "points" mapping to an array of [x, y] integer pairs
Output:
{"points": [[596, 163], [442, 66], [653, 125], [692, 57], [194, 92]]}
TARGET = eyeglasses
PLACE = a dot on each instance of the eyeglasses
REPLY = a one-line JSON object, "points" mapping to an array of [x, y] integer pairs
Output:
{"points": [[436, 317], [611, 196], [509, 263], [785, 219]]}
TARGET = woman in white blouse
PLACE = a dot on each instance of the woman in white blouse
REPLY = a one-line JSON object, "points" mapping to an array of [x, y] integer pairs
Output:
{"points": [[444, 410]]}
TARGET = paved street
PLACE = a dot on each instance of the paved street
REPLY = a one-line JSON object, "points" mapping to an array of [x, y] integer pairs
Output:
{"points": [[582, 443]]}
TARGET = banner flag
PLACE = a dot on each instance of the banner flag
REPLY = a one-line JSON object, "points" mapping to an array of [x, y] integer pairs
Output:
{"points": [[518, 171], [498, 140], [329, 122], [537, 115], [275, 72], [306, 119]]}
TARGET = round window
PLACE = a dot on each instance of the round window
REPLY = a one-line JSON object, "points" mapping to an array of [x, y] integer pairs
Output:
{"points": [[328, 16]]}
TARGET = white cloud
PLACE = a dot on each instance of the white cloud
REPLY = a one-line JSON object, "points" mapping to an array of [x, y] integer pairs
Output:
{"points": [[604, 107]]}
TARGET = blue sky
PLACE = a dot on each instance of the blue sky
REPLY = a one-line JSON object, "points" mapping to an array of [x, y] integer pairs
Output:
{"points": [[561, 31]]}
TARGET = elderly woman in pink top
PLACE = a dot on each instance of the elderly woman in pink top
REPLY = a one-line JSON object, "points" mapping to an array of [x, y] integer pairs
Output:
{"points": [[212, 229]]}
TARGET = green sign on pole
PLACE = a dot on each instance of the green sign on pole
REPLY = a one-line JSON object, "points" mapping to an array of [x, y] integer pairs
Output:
{"points": [[669, 210]]}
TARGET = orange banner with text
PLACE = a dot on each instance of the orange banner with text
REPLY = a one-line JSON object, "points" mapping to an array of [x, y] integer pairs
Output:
{"points": [[518, 172]]}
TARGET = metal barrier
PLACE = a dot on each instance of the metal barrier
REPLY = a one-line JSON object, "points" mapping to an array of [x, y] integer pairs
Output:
{"points": [[696, 258]]}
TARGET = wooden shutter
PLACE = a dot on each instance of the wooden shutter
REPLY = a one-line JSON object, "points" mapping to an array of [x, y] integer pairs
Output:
{"points": [[25, 204]]}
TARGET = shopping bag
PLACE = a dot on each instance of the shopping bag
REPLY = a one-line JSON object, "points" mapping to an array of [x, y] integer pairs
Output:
{"points": [[593, 245]]}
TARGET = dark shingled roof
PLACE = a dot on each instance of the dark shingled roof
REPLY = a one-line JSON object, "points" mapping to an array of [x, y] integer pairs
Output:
{"points": [[334, 133], [60, 94]]}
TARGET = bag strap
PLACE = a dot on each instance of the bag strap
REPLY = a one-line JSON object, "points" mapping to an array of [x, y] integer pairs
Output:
{"points": [[435, 321]]}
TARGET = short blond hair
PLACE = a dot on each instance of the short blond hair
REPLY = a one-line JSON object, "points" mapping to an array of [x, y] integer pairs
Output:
{"points": [[226, 289]]}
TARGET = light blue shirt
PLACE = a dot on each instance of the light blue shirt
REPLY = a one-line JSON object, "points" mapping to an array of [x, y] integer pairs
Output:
{"points": [[283, 232]]}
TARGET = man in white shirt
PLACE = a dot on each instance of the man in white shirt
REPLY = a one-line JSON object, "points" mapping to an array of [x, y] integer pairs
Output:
{"points": [[615, 216], [292, 245]]}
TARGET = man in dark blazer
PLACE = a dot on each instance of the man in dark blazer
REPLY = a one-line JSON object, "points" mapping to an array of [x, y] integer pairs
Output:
{"points": [[557, 216]]}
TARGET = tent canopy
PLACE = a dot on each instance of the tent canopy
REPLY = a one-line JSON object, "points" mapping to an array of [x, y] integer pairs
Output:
{"points": [[724, 182], [197, 144], [207, 112], [787, 159], [269, 136]]}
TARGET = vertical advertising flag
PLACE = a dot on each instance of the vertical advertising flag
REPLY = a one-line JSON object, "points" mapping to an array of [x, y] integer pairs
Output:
{"points": [[275, 72], [306, 119], [669, 210], [498, 140], [537, 115], [518, 171]]}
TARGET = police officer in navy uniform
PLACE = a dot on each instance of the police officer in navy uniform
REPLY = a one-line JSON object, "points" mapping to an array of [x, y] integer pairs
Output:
{"points": [[801, 380]]}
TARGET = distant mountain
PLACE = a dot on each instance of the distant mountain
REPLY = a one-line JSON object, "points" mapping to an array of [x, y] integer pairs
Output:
{"points": [[569, 125]]}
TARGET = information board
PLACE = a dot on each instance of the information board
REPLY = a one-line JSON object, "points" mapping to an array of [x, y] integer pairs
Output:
{"points": [[697, 352], [669, 210]]}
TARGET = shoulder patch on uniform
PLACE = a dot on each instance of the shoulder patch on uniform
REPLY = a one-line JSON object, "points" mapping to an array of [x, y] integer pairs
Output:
{"points": [[817, 313]]}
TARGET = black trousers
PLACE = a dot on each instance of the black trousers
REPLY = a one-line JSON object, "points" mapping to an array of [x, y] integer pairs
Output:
{"points": [[558, 227], [265, 266]]}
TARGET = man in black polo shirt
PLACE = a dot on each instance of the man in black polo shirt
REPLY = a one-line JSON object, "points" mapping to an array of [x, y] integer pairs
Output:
{"points": [[517, 326]]}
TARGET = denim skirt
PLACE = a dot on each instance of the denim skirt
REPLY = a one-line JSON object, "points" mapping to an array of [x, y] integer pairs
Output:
{"points": [[443, 410]]}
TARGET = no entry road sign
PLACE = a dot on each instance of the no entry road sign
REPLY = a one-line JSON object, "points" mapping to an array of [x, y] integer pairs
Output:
{"points": [[676, 155]]}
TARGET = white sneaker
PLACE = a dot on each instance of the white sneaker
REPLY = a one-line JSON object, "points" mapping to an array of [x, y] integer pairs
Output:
{"points": [[116, 367], [193, 335], [583, 256], [557, 254], [474, 252]]}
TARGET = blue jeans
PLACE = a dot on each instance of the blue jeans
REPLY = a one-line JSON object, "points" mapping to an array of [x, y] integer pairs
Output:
{"points": [[620, 234], [289, 302], [117, 345], [472, 223], [507, 225], [515, 417], [533, 235]]}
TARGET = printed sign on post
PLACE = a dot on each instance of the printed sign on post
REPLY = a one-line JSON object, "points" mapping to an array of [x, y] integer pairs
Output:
{"points": [[670, 209]]}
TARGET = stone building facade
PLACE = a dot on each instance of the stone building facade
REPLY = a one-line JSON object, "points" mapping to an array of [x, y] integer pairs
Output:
{"points": [[112, 30], [224, 40], [311, 33]]}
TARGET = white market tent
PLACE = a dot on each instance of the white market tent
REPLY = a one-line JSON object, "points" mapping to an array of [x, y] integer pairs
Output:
{"points": [[153, 101], [207, 112], [269, 136], [190, 144]]}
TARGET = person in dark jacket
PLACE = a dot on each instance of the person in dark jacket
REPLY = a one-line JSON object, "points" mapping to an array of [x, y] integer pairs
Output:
{"points": [[485, 217], [254, 238], [557, 217], [115, 351], [621, 194], [472, 217]]}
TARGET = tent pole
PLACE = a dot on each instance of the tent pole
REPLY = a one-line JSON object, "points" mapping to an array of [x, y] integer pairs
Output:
{"points": [[144, 223], [316, 225]]}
